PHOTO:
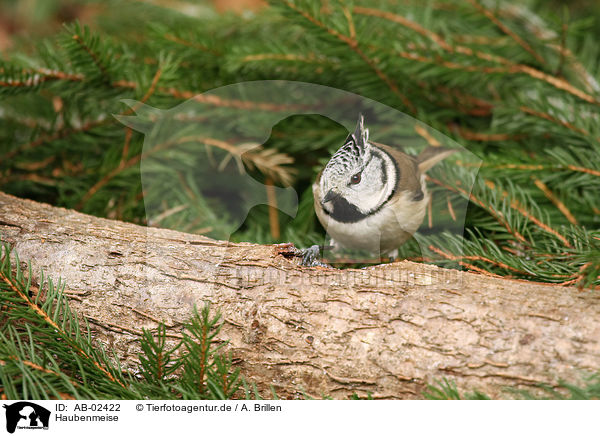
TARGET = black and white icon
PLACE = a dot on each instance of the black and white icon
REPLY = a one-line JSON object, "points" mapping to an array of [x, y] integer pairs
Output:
{"points": [[26, 415]]}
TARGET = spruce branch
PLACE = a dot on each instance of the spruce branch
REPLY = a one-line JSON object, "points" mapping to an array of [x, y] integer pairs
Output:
{"points": [[49, 313], [470, 70], [59, 134], [510, 66], [11, 78], [192, 44], [489, 14], [353, 44], [44, 353], [31, 327], [404, 22], [554, 199]]}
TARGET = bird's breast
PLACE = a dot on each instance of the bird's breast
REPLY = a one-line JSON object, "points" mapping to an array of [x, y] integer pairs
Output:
{"points": [[386, 229]]}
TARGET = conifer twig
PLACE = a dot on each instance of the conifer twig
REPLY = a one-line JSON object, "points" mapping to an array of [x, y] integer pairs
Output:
{"points": [[353, 44], [273, 214], [511, 67], [516, 205], [77, 38], [552, 119], [292, 57], [559, 204], [267, 161], [192, 44], [489, 14], [477, 258], [487, 137], [59, 134], [404, 22], [48, 320], [497, 215]]}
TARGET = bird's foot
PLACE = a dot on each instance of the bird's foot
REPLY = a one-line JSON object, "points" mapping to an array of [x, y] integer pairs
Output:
{"points": [[310, 256], [392, 256]]}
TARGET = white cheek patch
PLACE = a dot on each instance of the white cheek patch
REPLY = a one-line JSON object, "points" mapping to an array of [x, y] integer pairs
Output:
{"points": [[379, 184], [322, 186], [378, 181]]}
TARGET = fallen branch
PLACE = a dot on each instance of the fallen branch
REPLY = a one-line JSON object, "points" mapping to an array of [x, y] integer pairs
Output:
{"points": [[387, 329]]}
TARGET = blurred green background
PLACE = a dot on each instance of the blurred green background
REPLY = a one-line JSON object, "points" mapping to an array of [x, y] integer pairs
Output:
{"points": [[514, 82], [23, 22]]}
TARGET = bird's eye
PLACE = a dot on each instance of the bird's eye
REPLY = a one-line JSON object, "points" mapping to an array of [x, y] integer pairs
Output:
{"points": [[355, 179]]}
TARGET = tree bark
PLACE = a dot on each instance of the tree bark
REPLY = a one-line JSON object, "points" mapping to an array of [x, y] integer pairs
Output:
{"points": [[387, 329]]}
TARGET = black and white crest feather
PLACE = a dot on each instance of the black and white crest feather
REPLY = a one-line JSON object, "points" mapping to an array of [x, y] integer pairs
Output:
{"points": [[355, 149]]}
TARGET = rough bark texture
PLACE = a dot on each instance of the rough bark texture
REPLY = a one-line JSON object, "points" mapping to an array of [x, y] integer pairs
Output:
{"points": [[388, 329]]}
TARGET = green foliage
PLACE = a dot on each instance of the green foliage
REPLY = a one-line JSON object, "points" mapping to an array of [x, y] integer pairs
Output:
{"points": [[46, 352], [446, 390], [516, 84]]}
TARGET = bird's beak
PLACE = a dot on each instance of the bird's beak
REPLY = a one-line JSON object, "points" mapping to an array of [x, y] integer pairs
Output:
{"points": [[331, 195]]}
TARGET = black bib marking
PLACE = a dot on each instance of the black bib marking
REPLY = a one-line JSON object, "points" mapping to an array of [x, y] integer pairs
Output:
{"points": [[345, 212]]}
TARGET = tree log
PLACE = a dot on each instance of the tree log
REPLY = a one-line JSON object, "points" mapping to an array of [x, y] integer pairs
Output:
{"points": [[387, 329]]}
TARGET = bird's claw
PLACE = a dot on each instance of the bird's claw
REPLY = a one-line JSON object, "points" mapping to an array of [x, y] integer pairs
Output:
{"points": [[310, 256]]}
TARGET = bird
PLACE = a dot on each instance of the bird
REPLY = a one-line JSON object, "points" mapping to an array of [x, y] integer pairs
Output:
{"points": [[372, 197]]}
